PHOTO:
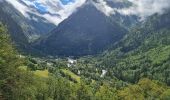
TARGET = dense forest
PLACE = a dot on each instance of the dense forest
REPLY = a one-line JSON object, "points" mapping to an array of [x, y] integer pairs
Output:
{"points": [[139, 73]]}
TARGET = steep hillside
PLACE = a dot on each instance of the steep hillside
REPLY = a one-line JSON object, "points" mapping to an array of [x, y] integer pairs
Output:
{"points": [[32, 29], [14, 29], [144, 52], [87, 31], [124, 20]]}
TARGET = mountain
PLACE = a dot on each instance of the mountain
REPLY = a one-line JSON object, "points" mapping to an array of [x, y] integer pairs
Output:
{"points": [[127, 21], [87, 31], [151, 28], [32, 29], [132, 61], [86, 42], [18, 82], [16, 33], [14, 29], [143, 52]]}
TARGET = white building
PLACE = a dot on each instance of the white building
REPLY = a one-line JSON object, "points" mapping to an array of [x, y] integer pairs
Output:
{"points": [[71, 62], [103, 73]]}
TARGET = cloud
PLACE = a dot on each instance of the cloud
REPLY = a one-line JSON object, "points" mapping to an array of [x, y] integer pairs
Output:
{"points": [[145, 8], [23, 9], [54, 11], [104, 7], [141, 8]]}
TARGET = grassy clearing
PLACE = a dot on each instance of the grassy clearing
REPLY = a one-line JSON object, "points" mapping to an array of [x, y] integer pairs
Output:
{"points": [[74, 76], [23, 68], [41, 73]]}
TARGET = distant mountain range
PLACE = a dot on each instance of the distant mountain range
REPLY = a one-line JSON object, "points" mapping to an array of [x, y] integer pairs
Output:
{"points": [[85, 32]]}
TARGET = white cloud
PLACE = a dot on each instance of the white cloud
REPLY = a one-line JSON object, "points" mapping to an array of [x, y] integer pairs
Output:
{"points": [[141, 8], [23, 9], [57, 12], [102, 6], [145, 8]]}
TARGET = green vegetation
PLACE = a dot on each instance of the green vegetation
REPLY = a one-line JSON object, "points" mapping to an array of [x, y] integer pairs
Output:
{"points": [[43, 73], [144, 89], [71, 74], [138, 68], [144, 52]]}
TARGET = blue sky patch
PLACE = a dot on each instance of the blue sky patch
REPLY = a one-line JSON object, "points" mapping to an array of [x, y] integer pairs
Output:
{"points": [[40, 8], [65, 2]]}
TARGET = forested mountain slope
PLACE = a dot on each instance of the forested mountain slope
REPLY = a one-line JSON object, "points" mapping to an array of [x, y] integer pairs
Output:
{"points": [[19, 82], [144, 52]]}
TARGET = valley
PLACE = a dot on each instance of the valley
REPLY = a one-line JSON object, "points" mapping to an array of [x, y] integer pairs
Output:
{"points": [[96, 53]]}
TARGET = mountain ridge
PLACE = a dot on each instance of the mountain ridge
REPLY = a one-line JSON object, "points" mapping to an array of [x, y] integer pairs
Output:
{"points": [[143, 52], [31, 29], [81, 30]]}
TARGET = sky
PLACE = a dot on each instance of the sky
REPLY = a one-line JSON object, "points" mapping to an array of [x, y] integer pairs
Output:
{"points": [[145, 8], [65, 2], [55, 11], [141, 8]]}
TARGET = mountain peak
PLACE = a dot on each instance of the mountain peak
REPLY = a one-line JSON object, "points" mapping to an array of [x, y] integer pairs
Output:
{"points": [[87, 31]]}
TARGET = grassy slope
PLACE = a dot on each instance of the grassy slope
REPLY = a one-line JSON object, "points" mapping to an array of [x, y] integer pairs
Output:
{"points": [[43, 73], [74, 76]]}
